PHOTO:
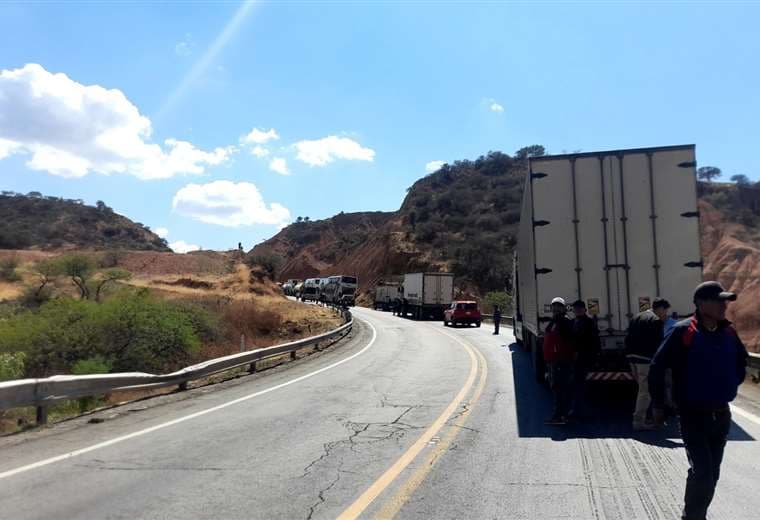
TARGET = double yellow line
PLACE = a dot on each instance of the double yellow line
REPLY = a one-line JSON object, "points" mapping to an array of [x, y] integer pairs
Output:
{"points": [[478, 372]]}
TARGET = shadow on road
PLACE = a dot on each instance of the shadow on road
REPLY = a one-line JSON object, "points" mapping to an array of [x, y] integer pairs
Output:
{"points": [[607, 415]]}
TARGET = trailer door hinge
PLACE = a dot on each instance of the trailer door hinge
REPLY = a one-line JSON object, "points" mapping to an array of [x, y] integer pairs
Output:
{"points": [[690, 214], [694, 264], [543, 270], [539, 223], [687, 164], [537, 176]]}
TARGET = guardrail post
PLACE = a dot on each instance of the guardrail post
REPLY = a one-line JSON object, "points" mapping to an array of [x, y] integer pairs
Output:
{"points": [[182, 386], [252, 368], [42, 415], [292, 354]]}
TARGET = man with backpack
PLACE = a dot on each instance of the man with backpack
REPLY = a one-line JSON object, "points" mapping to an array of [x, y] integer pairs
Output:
{"points": [[709, 363], [645, 334]]}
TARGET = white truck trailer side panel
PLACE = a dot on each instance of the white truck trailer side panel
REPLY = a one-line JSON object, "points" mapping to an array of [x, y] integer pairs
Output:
{"points": [[525, 264], [594, 233]]}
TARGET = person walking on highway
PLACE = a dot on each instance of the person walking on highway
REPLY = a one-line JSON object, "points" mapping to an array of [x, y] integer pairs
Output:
{"points": [[709, 362], [588, 346], [645, 334], [559, 354], [496, 319]]}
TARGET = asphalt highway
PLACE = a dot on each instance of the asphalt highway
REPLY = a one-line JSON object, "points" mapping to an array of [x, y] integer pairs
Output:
{"points": [[402, 419]]}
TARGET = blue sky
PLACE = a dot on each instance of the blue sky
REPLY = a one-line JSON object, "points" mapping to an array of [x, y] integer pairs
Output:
{"points": [[361, 96]]}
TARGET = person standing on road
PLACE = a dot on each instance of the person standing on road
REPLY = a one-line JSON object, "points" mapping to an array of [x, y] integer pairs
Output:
{"points": [[588, 346], [496, 319], [645, 334], [709, 362], [559, 354]]}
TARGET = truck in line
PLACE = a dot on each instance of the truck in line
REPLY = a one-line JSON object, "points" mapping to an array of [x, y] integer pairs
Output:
{"points": [[340, 290], [615, 229], [387, 295], [427, 295]]}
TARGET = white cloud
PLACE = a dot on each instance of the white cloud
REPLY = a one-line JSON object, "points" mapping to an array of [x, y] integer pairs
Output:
{"points": [[180, 246], [320, 152], [227, 203], [496, 107], [257, 136], [434, 166], [279, 165], [259, 151], [162, 232], [70, 130]]}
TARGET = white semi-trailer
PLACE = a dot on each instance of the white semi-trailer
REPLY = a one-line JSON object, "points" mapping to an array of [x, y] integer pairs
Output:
{"points": [[426, 295], [615, 229]]}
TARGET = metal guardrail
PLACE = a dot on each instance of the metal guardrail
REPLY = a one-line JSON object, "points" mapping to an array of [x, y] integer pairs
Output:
{"points": [[505, 320], [45, 391]]}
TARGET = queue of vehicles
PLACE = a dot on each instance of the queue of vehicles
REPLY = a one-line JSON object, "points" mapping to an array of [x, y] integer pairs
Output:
{"points": [[614, 229], [335, 290]]}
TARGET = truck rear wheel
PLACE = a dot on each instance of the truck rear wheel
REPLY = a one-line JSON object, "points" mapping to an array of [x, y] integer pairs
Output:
{"points": [[477, 324]]}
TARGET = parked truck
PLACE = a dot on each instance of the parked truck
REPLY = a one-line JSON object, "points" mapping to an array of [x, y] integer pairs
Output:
{"points": [[427, 295], [387, 295], [615, 229]]}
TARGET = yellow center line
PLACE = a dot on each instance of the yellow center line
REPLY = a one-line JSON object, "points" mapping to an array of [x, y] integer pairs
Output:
{"points": [[366, 498], [394, 504]]}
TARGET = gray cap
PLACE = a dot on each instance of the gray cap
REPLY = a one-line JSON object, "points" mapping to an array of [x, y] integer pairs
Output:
{"points": [[712, 291]]}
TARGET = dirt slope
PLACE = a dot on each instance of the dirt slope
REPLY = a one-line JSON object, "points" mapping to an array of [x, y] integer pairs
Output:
{"points": [[731, 252]]}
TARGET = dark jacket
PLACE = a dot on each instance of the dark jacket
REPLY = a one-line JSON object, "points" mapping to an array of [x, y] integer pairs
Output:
{"points": [[708, 367], [586, 339], [558, 344], [497, 315], [645, 335]]}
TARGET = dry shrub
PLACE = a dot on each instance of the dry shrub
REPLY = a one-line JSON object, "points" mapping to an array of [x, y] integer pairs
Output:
{"points": [[246, 317]]}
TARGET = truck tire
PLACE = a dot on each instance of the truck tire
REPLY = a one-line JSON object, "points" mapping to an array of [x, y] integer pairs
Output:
{"points": [[445, 323], [477, 324]]}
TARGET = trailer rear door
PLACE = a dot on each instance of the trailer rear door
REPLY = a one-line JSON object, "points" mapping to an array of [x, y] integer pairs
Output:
{"points": [[616, 229]]}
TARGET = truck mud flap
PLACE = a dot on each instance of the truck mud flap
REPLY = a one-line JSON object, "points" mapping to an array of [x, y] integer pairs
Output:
{"points": [[609, 376]]}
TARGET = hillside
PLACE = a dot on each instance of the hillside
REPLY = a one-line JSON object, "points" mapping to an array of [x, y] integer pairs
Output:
{"points": [[462, 218], [36, 222]]}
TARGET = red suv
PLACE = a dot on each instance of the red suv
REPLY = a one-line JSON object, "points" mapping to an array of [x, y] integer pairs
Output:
{"points": [[466, 312]]}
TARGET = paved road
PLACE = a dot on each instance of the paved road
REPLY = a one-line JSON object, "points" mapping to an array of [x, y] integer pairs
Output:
{"points": [[419, 421]]}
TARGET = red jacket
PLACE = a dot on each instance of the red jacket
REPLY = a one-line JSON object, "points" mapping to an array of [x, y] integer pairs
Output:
{"points": [[558, 340]]}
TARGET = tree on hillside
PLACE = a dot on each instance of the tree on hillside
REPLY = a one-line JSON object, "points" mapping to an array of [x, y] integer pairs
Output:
{"points": [[299, 220], [108, 277], [534, 150], [740, 179], [266, 259], [708, 173], [79, 268]]}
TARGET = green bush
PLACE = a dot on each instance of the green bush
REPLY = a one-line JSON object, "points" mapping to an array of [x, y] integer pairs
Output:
{"points": [[268, 260], [8, 269], [133, 331], [499, 298], [11, 365]]}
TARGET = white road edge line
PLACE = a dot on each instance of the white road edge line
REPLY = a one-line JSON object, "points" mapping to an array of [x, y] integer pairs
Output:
{"points": [[744, 413], [145, 431]]}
